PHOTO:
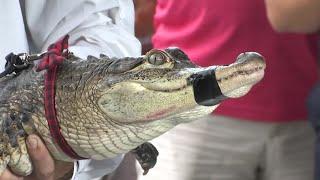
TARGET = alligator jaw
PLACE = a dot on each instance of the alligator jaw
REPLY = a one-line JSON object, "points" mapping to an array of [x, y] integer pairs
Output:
{"points": [[214, 84]]}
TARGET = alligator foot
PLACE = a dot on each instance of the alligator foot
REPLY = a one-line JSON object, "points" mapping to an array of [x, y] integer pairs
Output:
{"points": [[13, 150], [146, 154]]}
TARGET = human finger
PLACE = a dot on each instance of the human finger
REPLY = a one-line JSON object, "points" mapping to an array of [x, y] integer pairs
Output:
{"points": [[41, 158]]}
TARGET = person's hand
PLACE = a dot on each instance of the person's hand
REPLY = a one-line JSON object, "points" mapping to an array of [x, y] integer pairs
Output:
{"points": [[44, 167]]}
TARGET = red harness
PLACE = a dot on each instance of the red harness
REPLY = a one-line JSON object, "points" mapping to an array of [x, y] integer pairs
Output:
{"points": [[55, 55]]}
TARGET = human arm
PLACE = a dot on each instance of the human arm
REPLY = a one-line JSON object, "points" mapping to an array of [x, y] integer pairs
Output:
{"points": [[94, 26], [144, 12], [294, 15]]}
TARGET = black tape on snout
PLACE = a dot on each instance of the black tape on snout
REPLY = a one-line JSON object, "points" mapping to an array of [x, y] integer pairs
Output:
{"points": [[206, 89]]}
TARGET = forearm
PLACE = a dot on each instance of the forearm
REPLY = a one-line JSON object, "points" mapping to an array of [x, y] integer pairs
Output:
{"points": [[294, 15], [94, 26]]}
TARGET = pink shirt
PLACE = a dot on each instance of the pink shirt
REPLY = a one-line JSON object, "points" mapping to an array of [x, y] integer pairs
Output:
{"points": [[214, 32]]}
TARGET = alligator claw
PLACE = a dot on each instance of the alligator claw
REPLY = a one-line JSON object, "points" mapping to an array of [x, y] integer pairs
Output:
{"points": [[13, 149], [146, 154]]}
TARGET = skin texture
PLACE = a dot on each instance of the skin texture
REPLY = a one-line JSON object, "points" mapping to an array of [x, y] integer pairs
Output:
{"points": [[294, 15], [108, 106]]}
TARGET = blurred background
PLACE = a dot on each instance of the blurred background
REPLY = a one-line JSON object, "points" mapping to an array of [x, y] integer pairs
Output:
{"points": [[235, 27], [144, 10]]}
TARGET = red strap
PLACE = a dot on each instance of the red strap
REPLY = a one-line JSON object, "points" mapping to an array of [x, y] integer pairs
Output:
{"points": [[54, 57]]}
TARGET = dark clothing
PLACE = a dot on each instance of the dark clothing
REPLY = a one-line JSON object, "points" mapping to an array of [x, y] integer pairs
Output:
{"points": [[313, 104]]}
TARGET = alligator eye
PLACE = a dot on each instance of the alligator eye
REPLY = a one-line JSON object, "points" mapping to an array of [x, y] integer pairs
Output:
{"points": [[157, 59]]}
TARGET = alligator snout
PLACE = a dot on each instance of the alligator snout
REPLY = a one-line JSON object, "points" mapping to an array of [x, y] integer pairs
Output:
{"points": [[214, 84]]}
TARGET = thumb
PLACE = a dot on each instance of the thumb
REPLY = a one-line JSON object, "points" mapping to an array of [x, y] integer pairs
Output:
{"points": [[40, 157]]}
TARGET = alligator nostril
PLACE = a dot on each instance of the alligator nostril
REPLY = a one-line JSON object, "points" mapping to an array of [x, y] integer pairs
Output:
{"points": [[240, 56], [247, 56]]}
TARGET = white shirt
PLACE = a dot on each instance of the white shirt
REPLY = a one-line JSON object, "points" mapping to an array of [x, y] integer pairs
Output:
{"points": [[94, 26]]}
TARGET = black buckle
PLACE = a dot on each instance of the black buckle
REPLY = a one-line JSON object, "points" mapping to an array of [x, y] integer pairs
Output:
{"points": [[206, 89], [17, 63]]}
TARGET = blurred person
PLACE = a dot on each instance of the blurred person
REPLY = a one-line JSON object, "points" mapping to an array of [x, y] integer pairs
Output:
{"points": [[301, 16], [263, 135], [95, 27], [314, 117], [144, 11]]}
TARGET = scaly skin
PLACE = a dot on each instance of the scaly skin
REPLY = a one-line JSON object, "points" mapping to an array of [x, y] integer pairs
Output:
{"points": [[109, 106]]}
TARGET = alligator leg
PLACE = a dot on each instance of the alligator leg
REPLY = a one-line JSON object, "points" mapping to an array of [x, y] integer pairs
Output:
{"points": [[13, 149]]}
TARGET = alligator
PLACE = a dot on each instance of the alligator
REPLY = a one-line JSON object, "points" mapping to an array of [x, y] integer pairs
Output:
{"points": [[108, 106]]}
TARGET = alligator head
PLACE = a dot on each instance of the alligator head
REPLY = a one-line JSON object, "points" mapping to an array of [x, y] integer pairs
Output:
{"points": [[126, 102], [166, 85], [162, 89]]}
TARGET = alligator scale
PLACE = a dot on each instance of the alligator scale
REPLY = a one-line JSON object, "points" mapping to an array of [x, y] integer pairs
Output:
{"points": [[108, 106]]}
